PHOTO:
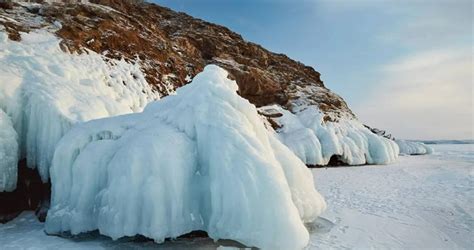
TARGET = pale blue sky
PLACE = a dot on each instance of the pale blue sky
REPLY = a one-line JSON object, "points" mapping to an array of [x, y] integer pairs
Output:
{"points": [[402, 65]]}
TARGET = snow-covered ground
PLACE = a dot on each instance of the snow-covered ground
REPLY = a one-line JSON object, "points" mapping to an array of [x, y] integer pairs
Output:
{"points": [[420, 202]]}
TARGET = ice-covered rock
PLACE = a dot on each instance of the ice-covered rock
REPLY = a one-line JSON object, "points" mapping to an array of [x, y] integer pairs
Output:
{"points": [[413, 148], [198, 160], [45, 91], [8, 153], [55, 73], [315, 141]]}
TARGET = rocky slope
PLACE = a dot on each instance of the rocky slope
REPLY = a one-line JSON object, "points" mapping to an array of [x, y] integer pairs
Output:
{"points": [[173, 47]]}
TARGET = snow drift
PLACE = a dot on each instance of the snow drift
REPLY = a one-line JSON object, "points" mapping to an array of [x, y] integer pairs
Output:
{"points": [[315, 141], [198, 160], [45, 91], [413, 148]]}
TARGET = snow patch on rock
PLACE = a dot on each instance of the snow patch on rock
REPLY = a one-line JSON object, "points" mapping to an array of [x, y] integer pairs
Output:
{"points": [[45, 91], [198, 160], [315, 141]]}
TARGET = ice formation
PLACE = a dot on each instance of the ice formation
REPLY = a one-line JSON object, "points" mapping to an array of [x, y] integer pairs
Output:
{"points": [[198, 160], [8, 153], [315, 141], [413, 148], [45, 91]]}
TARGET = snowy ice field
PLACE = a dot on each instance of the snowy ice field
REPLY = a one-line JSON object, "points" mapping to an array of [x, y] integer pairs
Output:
{"points": [[419, 202]]}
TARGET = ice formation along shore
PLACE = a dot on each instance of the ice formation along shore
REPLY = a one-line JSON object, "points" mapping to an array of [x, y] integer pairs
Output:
{"points": [[315, 141], [198, 160], [413, 148], [45, 91]]}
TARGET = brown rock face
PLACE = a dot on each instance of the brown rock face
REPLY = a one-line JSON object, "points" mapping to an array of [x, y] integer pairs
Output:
{"points": [[173, 47]]}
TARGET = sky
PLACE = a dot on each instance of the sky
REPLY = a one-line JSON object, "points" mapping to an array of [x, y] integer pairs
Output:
{"points": [[404, 66]]}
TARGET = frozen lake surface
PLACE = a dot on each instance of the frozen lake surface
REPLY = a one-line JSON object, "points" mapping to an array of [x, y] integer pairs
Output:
{"points": [[419, 202]]}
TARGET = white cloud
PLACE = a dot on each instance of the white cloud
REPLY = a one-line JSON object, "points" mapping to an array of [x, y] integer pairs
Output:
{"points": [[428, 95], [440, 23], [428, 92]]}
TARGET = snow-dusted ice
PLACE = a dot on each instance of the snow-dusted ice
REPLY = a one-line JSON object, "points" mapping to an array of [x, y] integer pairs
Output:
{"points": [[315, 141], [45, 91], [198, 160], [413, 148], [419, 202]]}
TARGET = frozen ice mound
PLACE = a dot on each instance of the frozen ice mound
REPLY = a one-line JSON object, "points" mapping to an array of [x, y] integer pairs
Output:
{"points": [[198, 160], [413, 148], [8, 154], [315, 141], [45, 91]]}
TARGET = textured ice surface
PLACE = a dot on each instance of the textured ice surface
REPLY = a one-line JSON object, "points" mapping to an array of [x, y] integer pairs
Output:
{"points": [[413, 148], [198, 160], [315, 141], [45, 91], [8, 153]]}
